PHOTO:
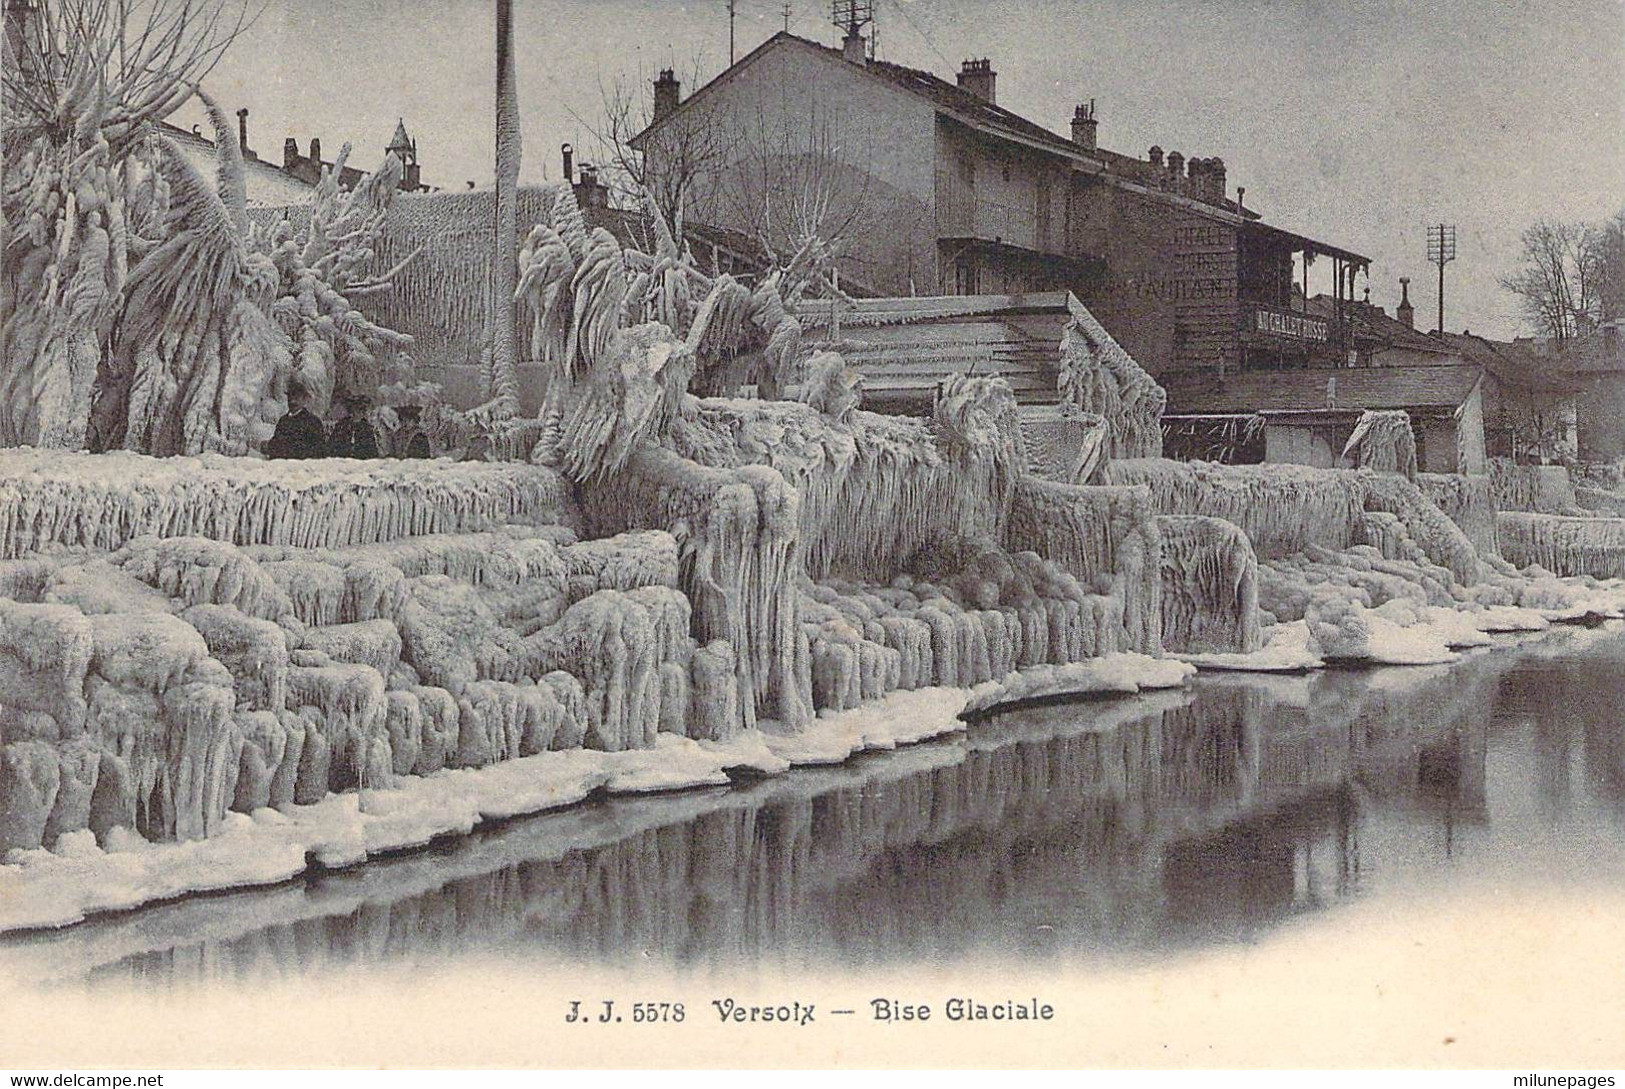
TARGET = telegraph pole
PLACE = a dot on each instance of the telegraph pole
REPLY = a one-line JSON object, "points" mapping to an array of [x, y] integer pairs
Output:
{"points": [[1441, 251]]}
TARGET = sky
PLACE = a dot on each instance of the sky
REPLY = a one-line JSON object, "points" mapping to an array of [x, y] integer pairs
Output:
{"points": [[1356, 123]]}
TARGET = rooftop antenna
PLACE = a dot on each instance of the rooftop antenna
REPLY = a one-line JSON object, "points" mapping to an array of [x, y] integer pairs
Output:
{"points": [[852, 16], [1441, 251], [787, 11]]}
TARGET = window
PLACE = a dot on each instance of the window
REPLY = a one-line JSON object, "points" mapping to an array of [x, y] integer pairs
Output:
{"points": [[965, 276]]}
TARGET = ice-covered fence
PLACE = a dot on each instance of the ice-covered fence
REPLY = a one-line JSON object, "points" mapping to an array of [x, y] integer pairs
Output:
{"points": [[1541, 489], [1281, 508], [1564, 546], [1106, 536], [1468, 501], [101, 501]]}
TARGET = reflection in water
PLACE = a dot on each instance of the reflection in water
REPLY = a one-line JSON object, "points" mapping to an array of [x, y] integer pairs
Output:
{"points": [[1086, 829]]}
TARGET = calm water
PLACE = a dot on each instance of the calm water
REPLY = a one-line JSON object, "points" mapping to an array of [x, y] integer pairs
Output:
{"points": [[1104, 831]]}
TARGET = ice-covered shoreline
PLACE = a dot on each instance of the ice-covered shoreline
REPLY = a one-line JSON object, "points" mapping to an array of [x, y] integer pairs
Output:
{"points": [[46, 889]]}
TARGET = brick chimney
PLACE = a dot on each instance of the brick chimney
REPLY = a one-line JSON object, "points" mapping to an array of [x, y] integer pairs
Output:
{"points": [[290, 152], [668, 93], [855, 47], [1404, 311], [1217, 186], [1176, 170], [316, 151], [1084, 124], [979, 78], [589, 191], [1154, 156]]}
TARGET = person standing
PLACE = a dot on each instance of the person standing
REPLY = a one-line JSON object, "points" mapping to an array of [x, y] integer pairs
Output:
{"points": [[299, 434], [409, 441], [352, 435]]}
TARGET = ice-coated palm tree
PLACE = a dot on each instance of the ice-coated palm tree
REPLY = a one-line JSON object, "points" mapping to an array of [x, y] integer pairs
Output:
{"points": [[505, 258]]}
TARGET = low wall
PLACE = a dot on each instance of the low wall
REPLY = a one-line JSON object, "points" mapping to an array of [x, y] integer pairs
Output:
{"points": [[1284, 509], [100, 501], [1564, 546]]}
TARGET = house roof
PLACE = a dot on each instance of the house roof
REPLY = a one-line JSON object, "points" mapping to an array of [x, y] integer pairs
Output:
{"points": [[250, 160], [971, 110], [1437, 388], [1512, 364], [1375, 323]]}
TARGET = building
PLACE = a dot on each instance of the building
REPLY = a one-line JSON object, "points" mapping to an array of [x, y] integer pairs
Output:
{"points": [[275, 185], [1305, 416], [1531, 407], [906, 347], [949, 193], [1469, 399], [1596, 365]]}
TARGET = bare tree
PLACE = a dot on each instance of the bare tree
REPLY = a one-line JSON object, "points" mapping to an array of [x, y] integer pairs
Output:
{"points": [[669, 163], [794, 181], [773, 166], [1560, 281], [142, 58]]}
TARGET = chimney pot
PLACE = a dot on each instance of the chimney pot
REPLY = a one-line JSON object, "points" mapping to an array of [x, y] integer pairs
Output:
{"points": [[1404, 311], [979, 78], [242, 130], [668, 93], [1084, 125], [568, 153]]}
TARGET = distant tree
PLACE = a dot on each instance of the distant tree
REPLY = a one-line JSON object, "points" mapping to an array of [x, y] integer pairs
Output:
{"points": [[1562, 281], [1611, 293]]}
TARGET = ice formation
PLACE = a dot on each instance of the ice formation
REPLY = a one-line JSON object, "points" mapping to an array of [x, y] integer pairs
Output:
{"points": [[1383, 441], [337, 657]]}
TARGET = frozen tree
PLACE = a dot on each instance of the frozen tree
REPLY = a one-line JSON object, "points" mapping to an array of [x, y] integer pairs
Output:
{"points": [[505, 269], [84, 80], [324, 268], [144, 312]]}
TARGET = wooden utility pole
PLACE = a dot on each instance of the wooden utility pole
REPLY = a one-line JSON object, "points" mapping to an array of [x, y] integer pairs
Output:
{"points": [[1441, 251]]}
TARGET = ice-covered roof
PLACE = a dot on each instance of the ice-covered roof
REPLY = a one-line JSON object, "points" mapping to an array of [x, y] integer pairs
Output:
{"points": [[1438, 388]]}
